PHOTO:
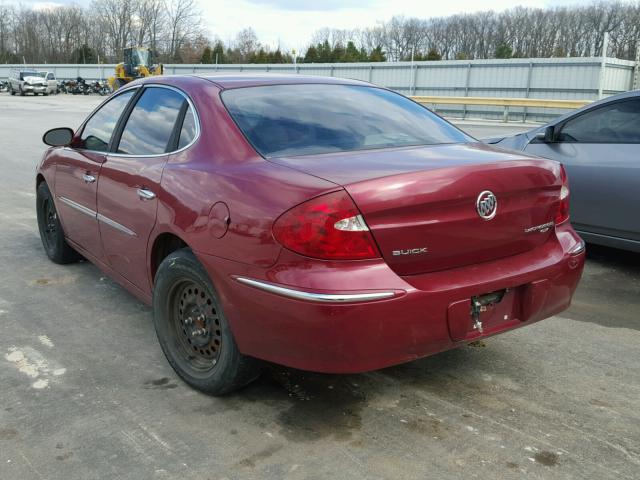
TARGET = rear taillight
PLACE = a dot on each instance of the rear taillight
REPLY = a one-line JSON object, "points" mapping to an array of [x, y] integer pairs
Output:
{"points": [[562, 214], [329, 227]]}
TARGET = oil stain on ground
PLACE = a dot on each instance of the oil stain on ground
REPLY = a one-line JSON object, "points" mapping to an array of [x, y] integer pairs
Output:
{"points": [[549, 459], [160, 384], [251, 461], [8, 433], [315, 405]]}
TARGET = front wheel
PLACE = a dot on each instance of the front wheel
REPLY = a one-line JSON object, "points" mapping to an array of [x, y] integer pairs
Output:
{"points": [[193, 331], [51, 233]]}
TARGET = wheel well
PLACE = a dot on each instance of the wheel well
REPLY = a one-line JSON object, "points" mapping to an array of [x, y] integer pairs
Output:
{"points": [[164, 245], [39, 180]]}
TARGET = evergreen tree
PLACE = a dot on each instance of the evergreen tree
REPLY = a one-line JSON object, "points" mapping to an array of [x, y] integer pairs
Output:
{"points": [[504, 51], [312, 55], [218, 50], [432, 55], [351, 53], [84, 54], [377, 55], [206, 55]]}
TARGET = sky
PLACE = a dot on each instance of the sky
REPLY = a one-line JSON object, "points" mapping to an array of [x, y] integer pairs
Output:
{"points": [[291, 23]]}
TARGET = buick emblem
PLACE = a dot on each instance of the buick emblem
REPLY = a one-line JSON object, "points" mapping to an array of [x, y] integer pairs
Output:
{"points": [[487, 205]]}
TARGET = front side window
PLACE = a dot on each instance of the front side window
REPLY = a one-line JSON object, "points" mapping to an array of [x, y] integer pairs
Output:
{"points": [[98, 130], [150, 126], [310, 119], [615, 123]]}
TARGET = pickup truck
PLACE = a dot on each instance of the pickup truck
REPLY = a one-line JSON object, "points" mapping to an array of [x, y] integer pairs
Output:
{"points": [[32, 81]]}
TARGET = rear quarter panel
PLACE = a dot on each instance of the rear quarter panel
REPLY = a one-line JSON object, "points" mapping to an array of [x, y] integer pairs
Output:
{"points": [[222, 167]]}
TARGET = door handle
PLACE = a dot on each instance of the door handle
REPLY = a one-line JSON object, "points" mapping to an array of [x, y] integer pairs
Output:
{"points": [[145, 194], [88, 178]]}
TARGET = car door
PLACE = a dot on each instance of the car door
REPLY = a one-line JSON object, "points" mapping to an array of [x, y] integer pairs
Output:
{"points": [[51, 82], [77, 172], [600, 149], [130, 180]]}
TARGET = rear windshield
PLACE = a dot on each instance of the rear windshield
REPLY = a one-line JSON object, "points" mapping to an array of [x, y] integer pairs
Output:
{"points": [[289, 120]]}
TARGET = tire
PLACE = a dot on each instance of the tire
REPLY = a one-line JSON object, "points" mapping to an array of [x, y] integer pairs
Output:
{"points": [[51, 233], [22, 94], [12, 91], [184, 303]]}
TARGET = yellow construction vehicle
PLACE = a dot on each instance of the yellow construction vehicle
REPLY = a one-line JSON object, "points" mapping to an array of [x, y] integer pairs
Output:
{"points": [[138, 63]]}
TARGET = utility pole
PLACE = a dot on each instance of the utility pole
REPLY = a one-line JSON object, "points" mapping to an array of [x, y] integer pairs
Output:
{"points": [[636, 71], [412, 86], [603, 64]]}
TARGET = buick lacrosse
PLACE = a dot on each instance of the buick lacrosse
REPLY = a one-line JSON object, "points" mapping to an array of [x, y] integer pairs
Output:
{"points": [[323, 224]]}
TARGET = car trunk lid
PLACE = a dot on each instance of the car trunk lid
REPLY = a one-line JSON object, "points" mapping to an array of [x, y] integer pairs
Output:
{"points": [[421, 203]]}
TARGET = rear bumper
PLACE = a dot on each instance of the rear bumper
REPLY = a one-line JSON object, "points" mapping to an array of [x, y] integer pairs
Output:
{"points": [[300, 324]]}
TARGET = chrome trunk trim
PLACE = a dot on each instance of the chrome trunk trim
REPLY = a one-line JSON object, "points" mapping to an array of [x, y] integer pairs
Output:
{"points": [[315, 297]]}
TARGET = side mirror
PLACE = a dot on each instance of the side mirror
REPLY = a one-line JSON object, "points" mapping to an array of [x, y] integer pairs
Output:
{"points": [[58, 137], [547, 135]]}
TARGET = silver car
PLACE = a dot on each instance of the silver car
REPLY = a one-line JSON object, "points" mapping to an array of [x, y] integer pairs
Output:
{"points": [[599, 146]]}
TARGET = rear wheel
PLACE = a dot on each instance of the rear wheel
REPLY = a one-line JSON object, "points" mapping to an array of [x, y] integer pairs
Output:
{"points": [[51, 233], [193, 331]]}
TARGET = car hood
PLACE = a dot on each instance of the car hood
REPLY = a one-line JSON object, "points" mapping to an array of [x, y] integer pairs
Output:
{"points": [[514, 142], [34, 79]]}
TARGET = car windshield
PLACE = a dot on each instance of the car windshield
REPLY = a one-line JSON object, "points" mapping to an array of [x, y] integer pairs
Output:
{"points": [[308, 119], [24, 75]]}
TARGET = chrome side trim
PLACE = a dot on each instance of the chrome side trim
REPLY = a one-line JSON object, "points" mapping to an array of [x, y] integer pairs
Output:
{"points": [[97, 216], [116, 225], [315, 297], [77, 206]]}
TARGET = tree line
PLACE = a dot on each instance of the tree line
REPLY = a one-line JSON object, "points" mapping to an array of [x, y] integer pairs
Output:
{"points": [[175, 31]]}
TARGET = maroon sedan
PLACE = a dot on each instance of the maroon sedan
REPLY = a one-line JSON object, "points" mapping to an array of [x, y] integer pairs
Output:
{"points": [[324, 224]]}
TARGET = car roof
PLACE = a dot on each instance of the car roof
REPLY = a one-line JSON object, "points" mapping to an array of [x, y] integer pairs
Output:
{"points": [[239, 80]]}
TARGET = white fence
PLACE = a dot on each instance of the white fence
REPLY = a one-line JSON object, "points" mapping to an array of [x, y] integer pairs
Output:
{"points": [[547, 78]]}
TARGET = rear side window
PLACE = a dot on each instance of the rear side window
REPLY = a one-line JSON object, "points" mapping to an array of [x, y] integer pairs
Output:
{"points": [[149, 128], [308, 119], [615, 123], [98, 130], [188, 130]]}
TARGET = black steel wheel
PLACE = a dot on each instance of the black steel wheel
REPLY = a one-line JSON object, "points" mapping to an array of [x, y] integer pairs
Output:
{"points": [[196, 325], [192, 328], [51, 233]]}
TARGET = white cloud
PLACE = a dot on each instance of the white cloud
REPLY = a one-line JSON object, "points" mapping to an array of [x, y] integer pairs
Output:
{"points": [[291, 23]]}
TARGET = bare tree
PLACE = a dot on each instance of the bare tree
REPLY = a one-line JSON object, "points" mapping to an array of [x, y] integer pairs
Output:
{"points": [[174, 30], [183, 19]]}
